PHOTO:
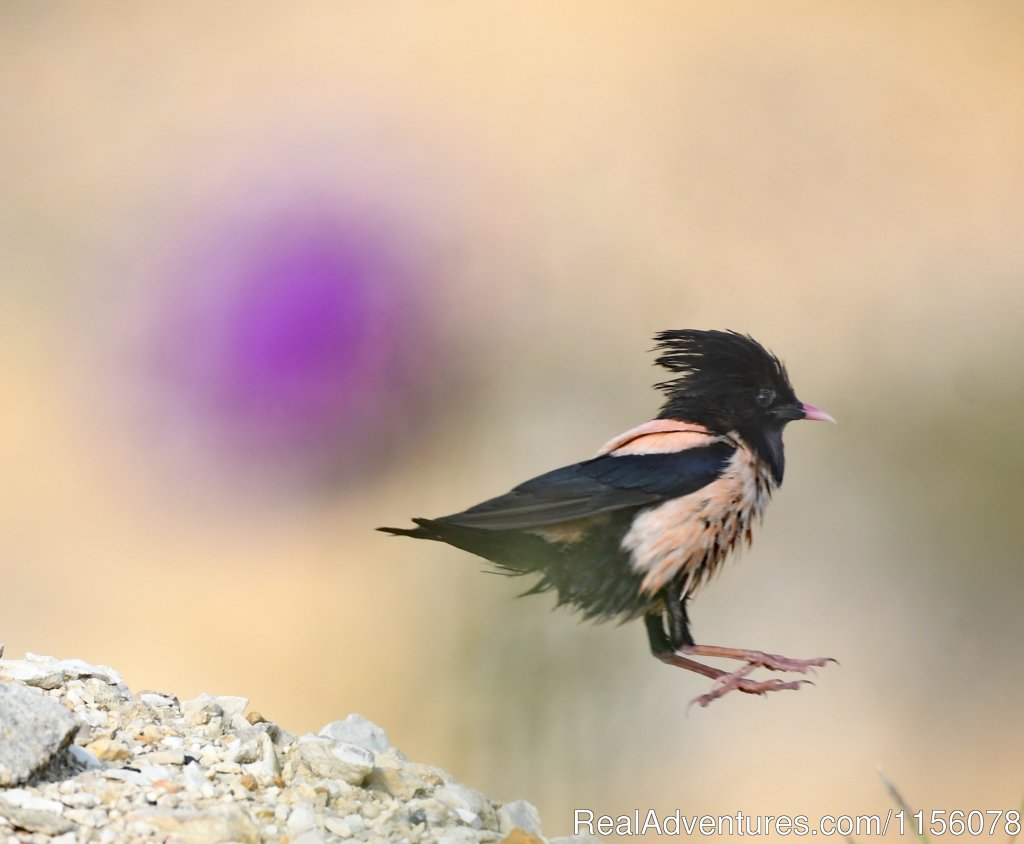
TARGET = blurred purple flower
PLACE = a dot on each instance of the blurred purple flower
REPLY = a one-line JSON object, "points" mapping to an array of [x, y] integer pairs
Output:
{"points": [[299, 336]]}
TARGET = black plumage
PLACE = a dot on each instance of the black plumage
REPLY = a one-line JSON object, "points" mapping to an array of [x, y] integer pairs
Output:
{"points": [[637, 529]]}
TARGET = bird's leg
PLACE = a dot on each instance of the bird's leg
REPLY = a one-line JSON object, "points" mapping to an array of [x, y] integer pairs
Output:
{"points": [[725, 681], [668, 648], [662, 648], [678, 617]]}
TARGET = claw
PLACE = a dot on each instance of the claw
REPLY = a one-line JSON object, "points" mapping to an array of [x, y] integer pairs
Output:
{"points": [[777, 662]]}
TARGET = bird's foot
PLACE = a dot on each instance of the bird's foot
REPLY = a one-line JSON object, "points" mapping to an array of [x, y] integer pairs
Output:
{"points": [[725, 681], [761, 659], [777, 662], [739, 681]]}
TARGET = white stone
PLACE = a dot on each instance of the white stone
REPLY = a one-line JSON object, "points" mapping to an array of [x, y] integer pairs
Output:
{"points": [[357, 730], [457, 835], [95, 718], [81, 800], [165, 757], [173, 742], [518, 814], [267, 766], [458, 796], [339, 827], [232, 705], [158, 699], [33, 728], [31, 674], [466, 816], [77, 668], [27, 800], [335, 760], [301, 818], [155, 772]]}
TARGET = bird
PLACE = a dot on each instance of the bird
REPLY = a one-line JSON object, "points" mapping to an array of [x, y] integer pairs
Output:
{"points": [[637, 530]]}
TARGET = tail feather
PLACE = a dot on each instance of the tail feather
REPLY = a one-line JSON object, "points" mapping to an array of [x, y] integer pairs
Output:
{"points": [[421, 531], [514, 551]]}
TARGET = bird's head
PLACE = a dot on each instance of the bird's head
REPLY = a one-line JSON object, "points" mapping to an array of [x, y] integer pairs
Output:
{"points": [[730, 383]]}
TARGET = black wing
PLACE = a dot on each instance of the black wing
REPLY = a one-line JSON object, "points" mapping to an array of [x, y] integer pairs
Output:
{"points": [[597, 486]]}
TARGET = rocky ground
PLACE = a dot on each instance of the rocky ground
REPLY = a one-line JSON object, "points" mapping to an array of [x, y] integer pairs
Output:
{"points": [[82, 759]]}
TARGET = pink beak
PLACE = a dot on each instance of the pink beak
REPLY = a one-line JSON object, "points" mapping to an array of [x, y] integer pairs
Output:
{"points": [[816, 414]]}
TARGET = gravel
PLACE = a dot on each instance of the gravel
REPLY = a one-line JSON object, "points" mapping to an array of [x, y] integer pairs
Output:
{"points": [[82, 759]]}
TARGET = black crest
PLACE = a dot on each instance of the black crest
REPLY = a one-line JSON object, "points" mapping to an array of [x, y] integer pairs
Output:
{"points": [[721, 373]]}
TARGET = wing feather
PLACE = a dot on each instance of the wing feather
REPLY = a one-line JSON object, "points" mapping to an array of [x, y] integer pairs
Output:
{"points": [[605, 483]]}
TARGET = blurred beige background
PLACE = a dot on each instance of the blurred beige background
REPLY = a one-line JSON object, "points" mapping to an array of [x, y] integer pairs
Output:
{"points": [[844, 181]]}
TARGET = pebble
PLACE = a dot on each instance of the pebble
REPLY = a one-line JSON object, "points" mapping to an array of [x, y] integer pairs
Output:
{"points": [[108, 750], [165, 757], [36, 820], [404, 781], [201, 771], [334, 759], [518, 814]]}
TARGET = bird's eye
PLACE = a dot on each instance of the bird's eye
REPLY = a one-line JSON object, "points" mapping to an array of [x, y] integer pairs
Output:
{"points": [[765, 396]]}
